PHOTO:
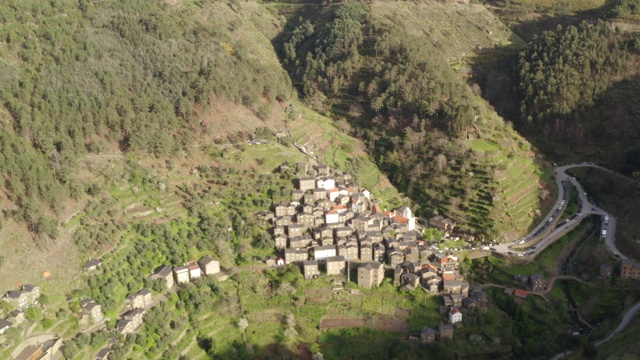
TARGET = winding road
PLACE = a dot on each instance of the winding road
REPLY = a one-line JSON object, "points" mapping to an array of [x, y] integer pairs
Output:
{"points": [[548, 231], [546, 234]]}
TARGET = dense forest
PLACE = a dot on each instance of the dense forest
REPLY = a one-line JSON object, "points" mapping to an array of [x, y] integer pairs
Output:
{"points": [[77, 75], [579, 85], [403, 98], [565, 71], [352, 55], [629, 9]]}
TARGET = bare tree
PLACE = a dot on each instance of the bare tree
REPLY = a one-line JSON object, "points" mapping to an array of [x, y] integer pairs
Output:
{"points": [[441, 160], [243, 323], [290, 331]]}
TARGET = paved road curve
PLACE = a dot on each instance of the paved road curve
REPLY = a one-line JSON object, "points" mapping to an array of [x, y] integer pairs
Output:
{"points": [[585, 209], [549, 234], [626, 319]]}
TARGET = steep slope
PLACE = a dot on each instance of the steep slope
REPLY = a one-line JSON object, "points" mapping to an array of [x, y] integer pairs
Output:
{"points": [[80, 75], [386, 71], [70, 194]]}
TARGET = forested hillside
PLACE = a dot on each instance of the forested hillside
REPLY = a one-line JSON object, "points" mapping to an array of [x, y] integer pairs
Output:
{"points": [[627, 9], [579, 86], [144, 77], [78, 76], [426, 128], [563, 72]]}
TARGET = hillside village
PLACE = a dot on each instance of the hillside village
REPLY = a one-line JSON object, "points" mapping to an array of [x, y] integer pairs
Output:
{"points": [[91, 313], [331, 223]]}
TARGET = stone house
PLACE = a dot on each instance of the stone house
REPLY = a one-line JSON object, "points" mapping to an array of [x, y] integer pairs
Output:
{"points": [[92, 264], [283, 221], [342, 200], [319, 194], [134, 301], [211, 266], [360, 223], [366, 251], [165, 273], [606, 270], [17, 317], [294, 255], [4, 326], [428, 335], [297, 195], [308, 199], [323, 232], [103, 354], [310, 269], [181, 274], [280, 242], [630, 270], [295, 230], [33, 293], [445, 331], [131, 321], [537, 282], [476, 300], [299, 242], [441, 223], [306, 219], [335, 265], [343, 231], [410, 279], [92, 310], [371, 274], [374, 236], [349, 251], [194, 271], [135, 315], [395, 257], [284, 209], [326, 241], [306, 183], [322, 169], [452, 286], [411, 254], [325, 204], [18, 299], [141, 299]]}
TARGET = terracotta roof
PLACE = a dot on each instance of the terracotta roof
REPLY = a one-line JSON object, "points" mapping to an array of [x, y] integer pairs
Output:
{"points": [[401, 219], [448, 276], [520, 293]]}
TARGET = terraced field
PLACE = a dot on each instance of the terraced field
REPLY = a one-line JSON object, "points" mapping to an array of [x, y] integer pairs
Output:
{"points": [[500, 193]]}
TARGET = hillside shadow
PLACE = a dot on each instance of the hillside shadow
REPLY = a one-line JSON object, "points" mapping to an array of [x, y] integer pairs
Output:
{"points": [[296, 13], [579, 136], [347, 344]]}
